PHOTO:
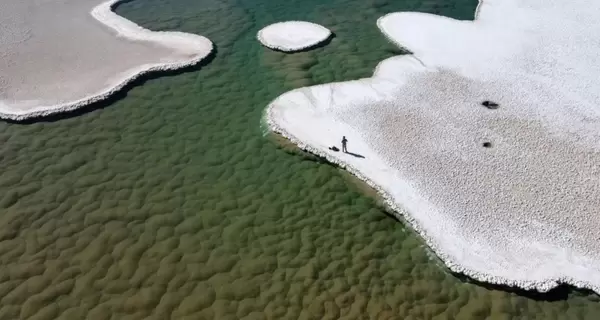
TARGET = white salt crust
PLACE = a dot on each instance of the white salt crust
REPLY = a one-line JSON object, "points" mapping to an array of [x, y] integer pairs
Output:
{"points": [[162, 51], [292, 36], [524, 213]]}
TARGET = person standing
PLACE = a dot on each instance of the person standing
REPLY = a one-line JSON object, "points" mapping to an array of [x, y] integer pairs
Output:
{"points": [[344, 143]]}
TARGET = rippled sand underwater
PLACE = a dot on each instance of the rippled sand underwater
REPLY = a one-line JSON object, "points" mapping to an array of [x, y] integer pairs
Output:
{"points": [[171, 203]]}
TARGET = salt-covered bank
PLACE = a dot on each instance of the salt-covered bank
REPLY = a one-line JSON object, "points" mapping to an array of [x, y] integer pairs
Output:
{"points": [[292, 36], [61, 55], [507, 195]]}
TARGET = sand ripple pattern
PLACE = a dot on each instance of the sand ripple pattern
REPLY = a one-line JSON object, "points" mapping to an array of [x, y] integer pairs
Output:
{"points": [[171, 204]]}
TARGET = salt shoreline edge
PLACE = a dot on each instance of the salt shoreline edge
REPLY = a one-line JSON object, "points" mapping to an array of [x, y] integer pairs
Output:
{"points": [[125, 28], [542, 286], [266, 43], [401, 214]]}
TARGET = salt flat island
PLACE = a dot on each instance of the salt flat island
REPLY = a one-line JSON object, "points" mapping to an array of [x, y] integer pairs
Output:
{"points": [[486, 139], [61, 55], [292, 36]]}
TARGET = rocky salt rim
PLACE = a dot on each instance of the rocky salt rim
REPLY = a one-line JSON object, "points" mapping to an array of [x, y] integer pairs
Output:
{"points": [[399, 213], [321, 34], [104, 14], [452, 263]]}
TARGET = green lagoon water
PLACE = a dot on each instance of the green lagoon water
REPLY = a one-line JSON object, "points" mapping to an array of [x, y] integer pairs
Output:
{"points": [[171, 203]]}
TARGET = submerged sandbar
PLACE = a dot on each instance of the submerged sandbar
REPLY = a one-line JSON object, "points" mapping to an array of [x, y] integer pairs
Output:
{"points": [[508, 191], [61, 55]]}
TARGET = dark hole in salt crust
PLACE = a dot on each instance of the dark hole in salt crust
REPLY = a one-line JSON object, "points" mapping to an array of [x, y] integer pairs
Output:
{"points": [[490, 104], [487, 144]]}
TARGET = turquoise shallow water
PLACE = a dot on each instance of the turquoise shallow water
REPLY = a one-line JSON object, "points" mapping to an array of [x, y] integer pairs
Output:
{"points": [[171, 203]]}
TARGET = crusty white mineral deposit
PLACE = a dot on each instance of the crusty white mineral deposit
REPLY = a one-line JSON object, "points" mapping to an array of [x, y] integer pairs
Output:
{"points": [[292, 35], [60, 55], [507, 192]]}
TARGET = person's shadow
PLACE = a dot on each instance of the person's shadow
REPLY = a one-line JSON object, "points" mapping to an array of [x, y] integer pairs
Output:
{"points": [[355, 154], [334, 148]]}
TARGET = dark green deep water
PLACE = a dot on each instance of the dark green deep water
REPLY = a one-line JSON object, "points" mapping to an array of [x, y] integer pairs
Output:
{"points": [[172, 203]]}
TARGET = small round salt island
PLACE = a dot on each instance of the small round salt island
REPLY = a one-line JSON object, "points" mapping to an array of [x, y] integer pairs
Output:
{"points": [[292, 36]]}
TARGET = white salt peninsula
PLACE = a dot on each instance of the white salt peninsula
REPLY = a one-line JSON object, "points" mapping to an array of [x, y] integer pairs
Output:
{"points": [[61, 55], [292, 36], [486, 139]]}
